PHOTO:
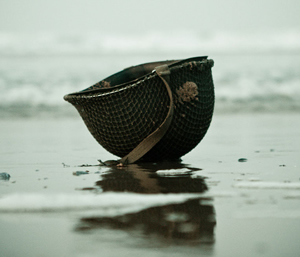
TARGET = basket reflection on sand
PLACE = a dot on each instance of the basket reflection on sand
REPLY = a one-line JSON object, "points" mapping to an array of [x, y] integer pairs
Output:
{"points": [[153, 111]]}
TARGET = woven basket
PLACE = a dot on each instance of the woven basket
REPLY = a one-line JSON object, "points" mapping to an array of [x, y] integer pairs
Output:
{"points": [[158, 110]]}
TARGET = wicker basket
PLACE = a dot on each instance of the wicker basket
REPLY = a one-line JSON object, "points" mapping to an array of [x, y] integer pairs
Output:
{"points": [[158, 110]]}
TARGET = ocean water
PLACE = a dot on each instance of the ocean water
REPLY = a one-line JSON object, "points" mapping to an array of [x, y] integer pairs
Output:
{"points": [[254, 72], [67, 214]]}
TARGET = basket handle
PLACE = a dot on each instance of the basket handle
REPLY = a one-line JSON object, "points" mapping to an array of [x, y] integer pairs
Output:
{"points": [[150, 141]]}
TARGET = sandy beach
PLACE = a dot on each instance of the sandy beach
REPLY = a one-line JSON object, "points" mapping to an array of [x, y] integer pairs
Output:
{"points": [[236, 194]]}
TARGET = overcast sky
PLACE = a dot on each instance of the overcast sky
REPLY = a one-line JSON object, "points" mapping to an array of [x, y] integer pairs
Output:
{"points": [[139, 15]]}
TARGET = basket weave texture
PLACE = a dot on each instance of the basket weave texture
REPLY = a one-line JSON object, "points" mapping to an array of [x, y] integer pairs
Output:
{"points": [[123, 109]]}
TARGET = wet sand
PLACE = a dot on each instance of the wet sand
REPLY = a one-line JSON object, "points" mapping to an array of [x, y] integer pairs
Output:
{"points": [[236, 194]]}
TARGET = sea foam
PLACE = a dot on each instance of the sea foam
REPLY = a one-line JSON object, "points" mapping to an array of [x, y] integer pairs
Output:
{"points": [[110, 204]]}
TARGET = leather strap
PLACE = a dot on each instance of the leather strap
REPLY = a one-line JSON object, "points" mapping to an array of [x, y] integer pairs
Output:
{"points": [[150, 141]]}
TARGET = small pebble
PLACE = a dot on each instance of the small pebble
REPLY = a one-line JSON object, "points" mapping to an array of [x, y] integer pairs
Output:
{"points": [[65, 165], [238, 179], [242, 160], [78, 173], [254, 179], [4, 176], [109, 163]]}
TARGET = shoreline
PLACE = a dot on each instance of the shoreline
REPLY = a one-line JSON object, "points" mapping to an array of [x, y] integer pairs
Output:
{"points": [[258, 197]]}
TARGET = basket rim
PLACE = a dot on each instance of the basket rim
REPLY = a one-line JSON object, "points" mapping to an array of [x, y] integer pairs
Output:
{"points": [[120, 87]]}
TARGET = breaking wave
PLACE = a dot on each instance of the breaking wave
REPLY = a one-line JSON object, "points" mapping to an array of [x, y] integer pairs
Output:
{"points": [[148, 43], [252, 72]]}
